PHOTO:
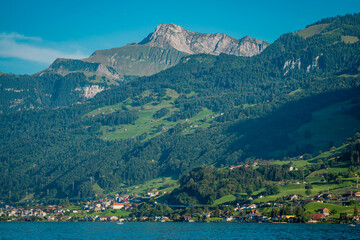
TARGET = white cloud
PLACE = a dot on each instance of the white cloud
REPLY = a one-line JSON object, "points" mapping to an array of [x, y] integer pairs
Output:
{"points": [[14, 45], [17, 36]]}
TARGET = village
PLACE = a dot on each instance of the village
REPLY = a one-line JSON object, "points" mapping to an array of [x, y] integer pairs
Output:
{"points": [[293, 209]]}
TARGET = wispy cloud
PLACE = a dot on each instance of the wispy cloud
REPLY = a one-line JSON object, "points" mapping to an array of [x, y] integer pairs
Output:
{"points": [[18, 36], [15, 45]]}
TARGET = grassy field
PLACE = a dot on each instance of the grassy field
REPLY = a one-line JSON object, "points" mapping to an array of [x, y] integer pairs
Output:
{"points": [[98, 190], [312, 207], [295, 163], [225, 199], [349, 39], [166, 184], [299, 189], [312, 30], [146, 123], [299, 90]]}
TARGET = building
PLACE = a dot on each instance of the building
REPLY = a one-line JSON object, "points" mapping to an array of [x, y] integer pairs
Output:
{"points": [[324, 211], [118, 205], [317, 217]]}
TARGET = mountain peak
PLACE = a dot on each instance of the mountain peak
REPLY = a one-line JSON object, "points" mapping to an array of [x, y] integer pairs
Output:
{"points": [[175, 36], [161, 28]]}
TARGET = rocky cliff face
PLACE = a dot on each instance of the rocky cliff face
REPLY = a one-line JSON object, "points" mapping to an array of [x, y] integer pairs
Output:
{"points": [[171, 35], [162, 49]]}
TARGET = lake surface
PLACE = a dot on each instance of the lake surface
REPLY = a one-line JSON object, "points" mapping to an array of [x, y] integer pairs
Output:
{"points": [[151, 230]]}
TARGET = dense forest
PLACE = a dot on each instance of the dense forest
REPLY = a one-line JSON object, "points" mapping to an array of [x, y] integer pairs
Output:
{"points": [[204, 185], [55, 147]]}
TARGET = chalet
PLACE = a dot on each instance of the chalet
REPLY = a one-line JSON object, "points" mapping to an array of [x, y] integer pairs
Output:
{"points": [[293, 197], [114, 218], [324, 211], [118, 205], [317, 216]]}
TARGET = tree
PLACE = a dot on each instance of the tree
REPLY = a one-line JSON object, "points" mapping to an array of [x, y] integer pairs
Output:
{"points": [[271, 189], [217, 212], [176, 217], [356, 211], [308, 192]]}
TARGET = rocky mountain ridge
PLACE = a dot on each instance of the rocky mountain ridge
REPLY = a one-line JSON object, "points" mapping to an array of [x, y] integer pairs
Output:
{"points": [[172, 35], [160, 50]]}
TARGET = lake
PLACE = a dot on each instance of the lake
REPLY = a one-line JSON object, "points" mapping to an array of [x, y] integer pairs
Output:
{"points": [[152, 230]]}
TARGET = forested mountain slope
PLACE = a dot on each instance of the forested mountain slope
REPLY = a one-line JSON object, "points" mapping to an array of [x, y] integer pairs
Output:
{"points": [[214, 110], [68, 81]]}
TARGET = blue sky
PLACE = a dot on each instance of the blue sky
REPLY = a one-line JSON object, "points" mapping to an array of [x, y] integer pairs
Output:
{"points": [[34, 33]]}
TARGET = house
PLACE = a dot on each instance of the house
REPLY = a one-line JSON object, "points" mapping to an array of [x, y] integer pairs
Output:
{"points": [[228, 219], [327, 196], [254, 211], [150, 194], [103, 218], [118, 205], [143, 218], [114, 218], [293, 197], [324, 211], [187, 218], [252, 205], [317, 216]]}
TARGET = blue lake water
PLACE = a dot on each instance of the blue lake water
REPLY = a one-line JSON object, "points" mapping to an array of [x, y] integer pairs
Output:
{"points": [[151, 230]]}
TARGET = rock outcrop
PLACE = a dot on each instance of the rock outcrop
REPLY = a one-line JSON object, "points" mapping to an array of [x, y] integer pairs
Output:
{"points": [[171, 35]]}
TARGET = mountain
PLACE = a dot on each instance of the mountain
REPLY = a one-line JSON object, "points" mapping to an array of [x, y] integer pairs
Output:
{"points": [[68, 81], [171, 35], [160, 50], [299, 96]]}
